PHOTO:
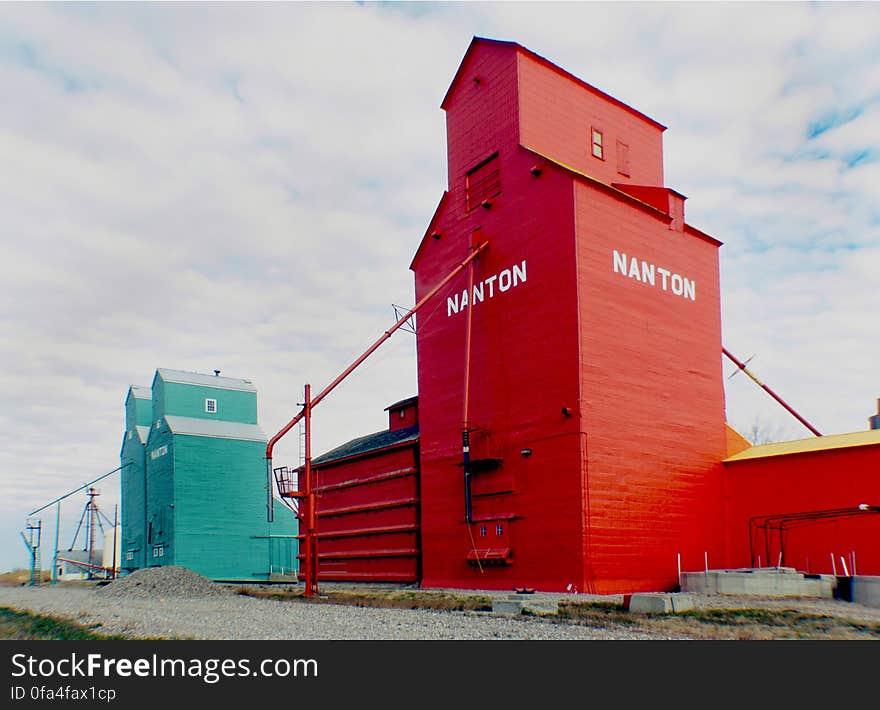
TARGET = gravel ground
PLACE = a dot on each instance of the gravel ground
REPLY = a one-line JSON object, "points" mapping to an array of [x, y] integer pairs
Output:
{"points": [[174, 602], [236, 617]]}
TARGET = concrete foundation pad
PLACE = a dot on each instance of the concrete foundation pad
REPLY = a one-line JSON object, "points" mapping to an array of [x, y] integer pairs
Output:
{"points": [[866, 590], [764, 582]]}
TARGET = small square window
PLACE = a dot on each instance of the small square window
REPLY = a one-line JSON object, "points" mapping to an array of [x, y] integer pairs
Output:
{"points": [[211, 406], [598, 144]]}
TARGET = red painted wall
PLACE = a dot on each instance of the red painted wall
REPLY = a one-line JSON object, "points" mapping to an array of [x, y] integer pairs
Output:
{"points": [[630, 476], [524, 358], [524, 370], [481, 118], [653, 400], [403, 416], [368, 517], [557, 113], [821, 480]]}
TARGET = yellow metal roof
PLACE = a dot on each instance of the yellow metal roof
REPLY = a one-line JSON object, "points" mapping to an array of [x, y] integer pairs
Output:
{"points": [[802, 446]]}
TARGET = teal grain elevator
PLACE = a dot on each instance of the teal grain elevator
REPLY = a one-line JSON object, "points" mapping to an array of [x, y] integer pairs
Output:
{"points": [[193, 481]]}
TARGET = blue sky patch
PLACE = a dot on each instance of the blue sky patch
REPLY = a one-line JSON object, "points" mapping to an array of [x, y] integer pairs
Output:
{"points": [[832, 119]]}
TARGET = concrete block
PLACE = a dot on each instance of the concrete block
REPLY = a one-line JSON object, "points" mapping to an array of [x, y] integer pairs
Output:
{"points": [[538, 605], [866, 590], [682, 602], [508, 607], [651, 603], [544, 607]]}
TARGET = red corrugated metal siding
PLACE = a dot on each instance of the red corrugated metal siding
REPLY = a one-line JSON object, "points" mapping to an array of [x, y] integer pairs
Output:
{"points": [[811, 481], [368, 517]]}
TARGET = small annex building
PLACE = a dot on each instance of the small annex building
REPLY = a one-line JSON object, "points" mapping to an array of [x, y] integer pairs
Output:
{"points": [[193, 471], [369, 511]]}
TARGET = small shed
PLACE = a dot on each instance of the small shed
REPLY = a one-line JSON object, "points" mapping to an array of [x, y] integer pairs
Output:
{"points": [[368, 510]]}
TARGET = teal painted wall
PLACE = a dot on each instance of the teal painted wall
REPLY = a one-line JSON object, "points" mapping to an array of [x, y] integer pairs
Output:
{"points": [[133, 521], [160, 547], [186, 400], [220, 510], [200, 502], [138, 411]]}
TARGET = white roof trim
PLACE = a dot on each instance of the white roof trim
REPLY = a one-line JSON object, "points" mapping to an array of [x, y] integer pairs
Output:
{"points": [[194, 426], [198, 378]]}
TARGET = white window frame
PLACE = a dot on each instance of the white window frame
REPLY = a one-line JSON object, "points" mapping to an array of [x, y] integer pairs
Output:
{"points": [[208, 404], [600, 144]]}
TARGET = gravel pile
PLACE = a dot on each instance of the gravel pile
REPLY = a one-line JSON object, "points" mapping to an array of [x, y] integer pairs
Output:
{"points": [[160, 582]]}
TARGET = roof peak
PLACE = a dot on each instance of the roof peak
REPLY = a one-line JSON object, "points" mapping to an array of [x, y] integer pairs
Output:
{"points": [[139, 392], [476, 39], [214, 428], [205, 380]]}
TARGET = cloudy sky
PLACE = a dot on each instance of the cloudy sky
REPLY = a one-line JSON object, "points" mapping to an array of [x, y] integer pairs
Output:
{"points": [[242, 187]]}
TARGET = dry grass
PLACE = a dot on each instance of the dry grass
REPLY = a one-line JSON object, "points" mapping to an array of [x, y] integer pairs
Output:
{"points": [[392, 599], [740, 623], [18, 577], [770, 621], [24, 626]]}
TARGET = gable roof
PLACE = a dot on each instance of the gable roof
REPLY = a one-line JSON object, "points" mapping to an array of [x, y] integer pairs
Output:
{"points": [[550, 65], [198, 378], [141, 432], [139, 392], [371, 442], [215, 428], [403, 403], [803, 446]]}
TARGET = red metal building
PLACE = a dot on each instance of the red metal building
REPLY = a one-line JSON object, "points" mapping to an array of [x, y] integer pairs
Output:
{"points": [[368, 503], [580, 357], [805, 503]]}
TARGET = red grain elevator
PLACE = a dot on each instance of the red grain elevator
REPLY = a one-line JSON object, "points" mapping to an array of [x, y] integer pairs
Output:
{"points": [[596, 403]]}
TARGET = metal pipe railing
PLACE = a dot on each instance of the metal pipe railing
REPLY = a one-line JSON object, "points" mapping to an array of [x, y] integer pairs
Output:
{"points": [[309, 539]]}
